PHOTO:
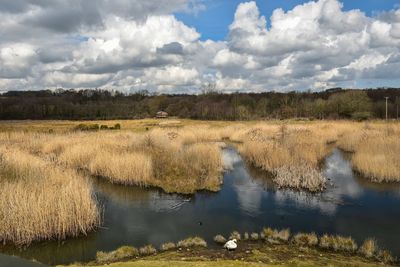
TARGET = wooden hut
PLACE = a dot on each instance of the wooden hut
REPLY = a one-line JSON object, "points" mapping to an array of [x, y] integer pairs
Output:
{"points": [[162, 115]]}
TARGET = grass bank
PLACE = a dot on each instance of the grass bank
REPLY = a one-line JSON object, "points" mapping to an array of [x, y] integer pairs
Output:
{"points": [[270, 247], [250, 254]]}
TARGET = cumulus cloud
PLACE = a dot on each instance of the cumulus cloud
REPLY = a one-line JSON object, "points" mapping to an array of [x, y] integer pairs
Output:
{"points": [[131, 45], [316, 43]]}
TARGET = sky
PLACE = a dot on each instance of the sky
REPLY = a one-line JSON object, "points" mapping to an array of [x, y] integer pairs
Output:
{"points": [[180, 46]]}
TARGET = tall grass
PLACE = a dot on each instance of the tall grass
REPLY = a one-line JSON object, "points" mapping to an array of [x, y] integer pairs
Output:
{"points": [[291, 154], [379, 158], [166, 158], [39, 201], [133, 168], [300, 176], [375, 150]]}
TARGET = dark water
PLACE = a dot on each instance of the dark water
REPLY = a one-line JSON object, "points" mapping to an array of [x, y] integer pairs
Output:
{"points": [[247, 202], [10, 261]]}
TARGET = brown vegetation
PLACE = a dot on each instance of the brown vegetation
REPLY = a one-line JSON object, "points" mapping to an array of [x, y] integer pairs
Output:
{"points": [[376, 150], [250, 248], [220, 239], [39, 201], [167, 246], [290, 153], [338, 243], [192, 242], [147, 250], [305, 239], [124, 252], [165, 158], [369, 248], [271, 235], [183, 160], [235, 235]]}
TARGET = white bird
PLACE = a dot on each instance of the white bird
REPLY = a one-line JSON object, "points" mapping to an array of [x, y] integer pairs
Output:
{"points": [[231, 244]]}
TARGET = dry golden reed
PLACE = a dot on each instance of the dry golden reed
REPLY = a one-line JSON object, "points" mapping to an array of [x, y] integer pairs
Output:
{"points": [[41, 202], [176, 160], [375, 148], [290, 153]]}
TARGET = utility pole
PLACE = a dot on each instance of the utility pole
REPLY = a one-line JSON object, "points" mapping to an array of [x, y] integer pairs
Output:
{"points": [[386, 106], [397, 107]]}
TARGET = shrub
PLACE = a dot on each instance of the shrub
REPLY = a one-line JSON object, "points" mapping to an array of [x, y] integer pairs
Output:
{"points": [[305, 239], [219, 239], [282, 235], [385, 256], [87, 127], [268, 233], [117, 126], [147, 250], [273, 234], [326, 242], [235, 235], [345, 244], [246, 236], [192, 242], [167, 246], [338, 243], [102, 257], [368, 248], [123, 252], [262, 235], [103, 127], [254, 236], [126, 252]]}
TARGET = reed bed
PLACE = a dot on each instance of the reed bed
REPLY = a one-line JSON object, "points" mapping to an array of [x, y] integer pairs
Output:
{"points": [[300, 176], [42, 202], [291, 154], [379, 158], [133, 168], [45, 196], [375, 149], [166, 158]]}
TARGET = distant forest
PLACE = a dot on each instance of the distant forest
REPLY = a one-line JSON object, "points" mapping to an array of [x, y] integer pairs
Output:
{"points": [[90, 104]]}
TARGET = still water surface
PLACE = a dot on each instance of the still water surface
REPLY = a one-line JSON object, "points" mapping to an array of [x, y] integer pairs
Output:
{"points": [[247, 201]]}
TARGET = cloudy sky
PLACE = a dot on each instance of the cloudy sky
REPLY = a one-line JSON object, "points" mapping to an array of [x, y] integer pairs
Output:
{"points": [[176, 46]]}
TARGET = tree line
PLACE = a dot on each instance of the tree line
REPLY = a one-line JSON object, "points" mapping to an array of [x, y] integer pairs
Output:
{"points": [[90, 104]]}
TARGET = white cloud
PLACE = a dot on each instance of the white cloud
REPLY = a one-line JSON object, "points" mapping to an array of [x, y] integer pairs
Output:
{"points": [[72, 80], [313, 45], [171, 75], [16, 60], [131, 45]]}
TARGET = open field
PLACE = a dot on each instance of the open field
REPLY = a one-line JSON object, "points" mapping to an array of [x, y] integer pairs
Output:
{"points": [[177, 156]]}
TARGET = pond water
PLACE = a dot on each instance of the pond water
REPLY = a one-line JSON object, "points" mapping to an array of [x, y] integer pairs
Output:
{"points": [[247, 201]]}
